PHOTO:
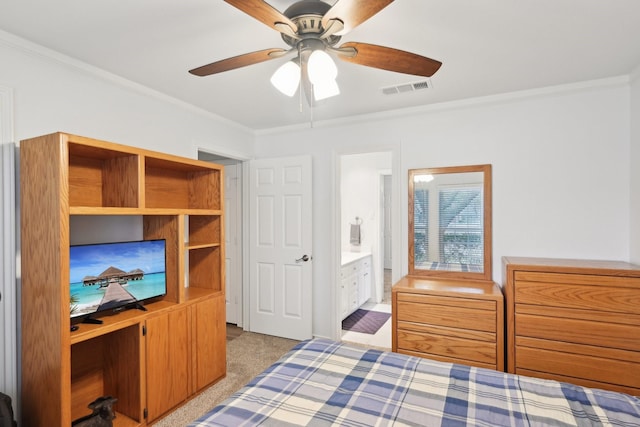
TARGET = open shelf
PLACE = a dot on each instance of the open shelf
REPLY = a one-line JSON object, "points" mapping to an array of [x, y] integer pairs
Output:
{"points": [[205, 251], [101, 177], [204, 230], [108, 365], [202, 262], [169, 184]]}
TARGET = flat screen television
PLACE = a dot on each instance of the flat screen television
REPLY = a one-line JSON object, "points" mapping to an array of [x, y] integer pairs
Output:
{"points": [[115, 276]]}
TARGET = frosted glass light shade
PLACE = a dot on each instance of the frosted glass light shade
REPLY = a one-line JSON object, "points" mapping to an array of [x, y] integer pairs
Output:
{"points": [[287, 78], [325, 89], [322, 75], [321, 67]]}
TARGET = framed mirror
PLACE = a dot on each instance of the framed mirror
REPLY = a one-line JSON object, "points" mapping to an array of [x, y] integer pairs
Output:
{"points": [[450, 222]]}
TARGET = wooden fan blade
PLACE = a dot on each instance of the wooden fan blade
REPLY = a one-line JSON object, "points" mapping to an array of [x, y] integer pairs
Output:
{"points": [[265, 13], [390, 59], [238, 62], [353, 12]]}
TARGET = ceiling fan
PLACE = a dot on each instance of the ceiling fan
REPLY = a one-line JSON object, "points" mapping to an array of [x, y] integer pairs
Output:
{"points": [[312, 29]]}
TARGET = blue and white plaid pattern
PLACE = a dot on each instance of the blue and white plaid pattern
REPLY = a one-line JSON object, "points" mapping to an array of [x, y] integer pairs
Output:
{"points": [[323, 383]]}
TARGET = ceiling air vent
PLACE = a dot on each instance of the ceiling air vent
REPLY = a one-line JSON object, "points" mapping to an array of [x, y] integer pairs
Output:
{"points": [[406, 87]]}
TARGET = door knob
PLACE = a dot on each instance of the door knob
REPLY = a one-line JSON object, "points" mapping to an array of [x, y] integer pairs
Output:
{"points": [[304, 258]]}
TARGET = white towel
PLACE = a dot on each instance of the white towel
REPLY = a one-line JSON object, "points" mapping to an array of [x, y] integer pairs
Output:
{"points": [[355, 234]]}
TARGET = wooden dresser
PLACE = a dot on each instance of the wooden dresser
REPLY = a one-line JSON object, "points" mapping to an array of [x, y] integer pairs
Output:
{"points": [[460, 321], [574, 321]]}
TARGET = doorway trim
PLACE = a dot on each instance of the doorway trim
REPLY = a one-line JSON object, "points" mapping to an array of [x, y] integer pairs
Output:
{"points": [[9, 219], [243, 243], [381, 200]]}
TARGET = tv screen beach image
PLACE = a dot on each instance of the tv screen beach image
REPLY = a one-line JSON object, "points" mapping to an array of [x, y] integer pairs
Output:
{"points": [[113, 275]]}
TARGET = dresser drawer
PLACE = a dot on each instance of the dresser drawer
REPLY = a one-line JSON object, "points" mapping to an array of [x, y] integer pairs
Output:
{"points": [[586, 292], [468, 334], [448, 315], [580, 381], [577, 331], [477, 304], [595, 368], [447, 346]]}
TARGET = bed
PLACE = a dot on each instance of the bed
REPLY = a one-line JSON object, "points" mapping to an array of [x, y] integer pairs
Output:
{"points": [[321, 382]]}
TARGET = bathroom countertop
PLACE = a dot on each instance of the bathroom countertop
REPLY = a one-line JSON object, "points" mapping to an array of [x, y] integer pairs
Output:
{"points": [[349, 257]]}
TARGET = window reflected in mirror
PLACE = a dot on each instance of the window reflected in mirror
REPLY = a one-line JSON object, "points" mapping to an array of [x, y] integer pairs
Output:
{"points": [[450, 222]]}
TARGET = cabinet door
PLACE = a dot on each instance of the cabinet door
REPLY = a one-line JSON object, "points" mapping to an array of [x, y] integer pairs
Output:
{"points": [[344, 297], [364, 281], [353, 293], [209, 346], [167, 362]]}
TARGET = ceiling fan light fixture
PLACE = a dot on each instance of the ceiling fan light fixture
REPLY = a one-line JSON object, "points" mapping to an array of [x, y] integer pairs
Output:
{"points": [[313, 28], [287, 78], [321, 67], [322, 72], [325, 89]]}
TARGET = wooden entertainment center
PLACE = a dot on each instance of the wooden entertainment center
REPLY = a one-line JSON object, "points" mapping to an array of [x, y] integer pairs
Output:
{"points": [[151, 361]]}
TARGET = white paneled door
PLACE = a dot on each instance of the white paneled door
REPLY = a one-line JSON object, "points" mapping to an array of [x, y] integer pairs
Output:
{"points": [[280, 282]]}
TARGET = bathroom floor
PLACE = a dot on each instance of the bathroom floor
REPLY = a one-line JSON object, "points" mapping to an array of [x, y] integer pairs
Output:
{"points": [[382, 338]]}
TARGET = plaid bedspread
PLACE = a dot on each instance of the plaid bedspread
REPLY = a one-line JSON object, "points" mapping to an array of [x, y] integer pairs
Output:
{"points": [[322, 383]]}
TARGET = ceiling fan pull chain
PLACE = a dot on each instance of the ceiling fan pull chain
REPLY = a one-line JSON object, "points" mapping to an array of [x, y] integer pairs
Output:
{"points": [[311, 109]]}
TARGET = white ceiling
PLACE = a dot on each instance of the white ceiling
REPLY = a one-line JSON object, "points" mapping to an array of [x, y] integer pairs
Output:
{"points": [[487, 47]]}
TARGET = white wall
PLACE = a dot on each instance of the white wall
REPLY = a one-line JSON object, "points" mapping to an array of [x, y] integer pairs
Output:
{"points": [[635, 168], [55, 93], [560, 170], [561, 174]]}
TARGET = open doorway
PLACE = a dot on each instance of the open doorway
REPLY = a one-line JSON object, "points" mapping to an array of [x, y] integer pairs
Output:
{"points": [[364, 288], [233, 234]]}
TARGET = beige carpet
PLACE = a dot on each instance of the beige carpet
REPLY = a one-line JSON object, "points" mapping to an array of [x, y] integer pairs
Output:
{"points": [[247, 355]]}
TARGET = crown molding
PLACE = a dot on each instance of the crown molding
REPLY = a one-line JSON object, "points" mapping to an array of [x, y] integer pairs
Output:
{"points": [[619, 81], [6, 114], [50, 55]]}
